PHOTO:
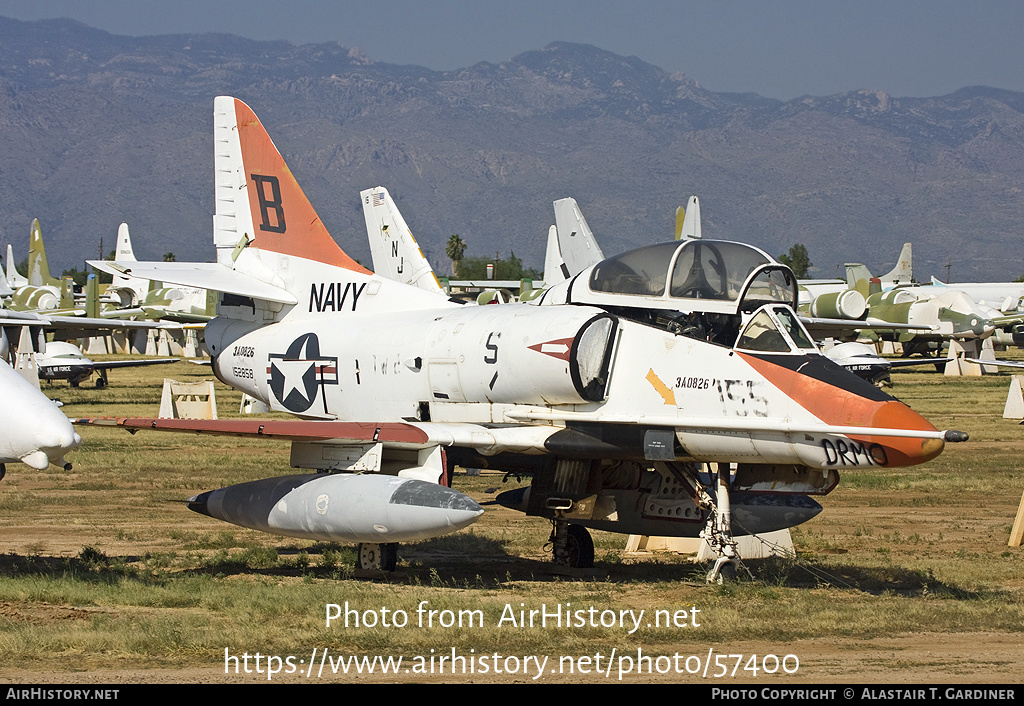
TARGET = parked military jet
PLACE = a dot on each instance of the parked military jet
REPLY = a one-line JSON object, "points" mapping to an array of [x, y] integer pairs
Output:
{"points": [[61, 360], [862, 360], [610, 391], [40, 290], [138, 297]]}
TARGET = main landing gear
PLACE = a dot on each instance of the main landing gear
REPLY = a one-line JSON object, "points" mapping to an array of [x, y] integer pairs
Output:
{"points": [[377, 557]]}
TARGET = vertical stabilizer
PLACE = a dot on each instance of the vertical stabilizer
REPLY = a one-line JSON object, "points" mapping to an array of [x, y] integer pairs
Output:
{"points": [[691, 221], [396, 254], [258, 201], [858, 277], [124, 251], [903, 273], [67, 293], [92, 297], [38, 269], [554, 266], [129, 290], [14, 280], [575, 239]]}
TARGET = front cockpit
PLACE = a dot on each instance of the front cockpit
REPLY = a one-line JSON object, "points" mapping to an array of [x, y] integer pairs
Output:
{"points": [[705, 289]]}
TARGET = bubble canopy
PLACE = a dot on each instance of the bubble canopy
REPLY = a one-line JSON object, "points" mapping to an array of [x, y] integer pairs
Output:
{"points": [[693, 275]]}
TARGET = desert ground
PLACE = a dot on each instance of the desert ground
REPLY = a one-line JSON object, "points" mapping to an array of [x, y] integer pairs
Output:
{"points": [[106, 577]]}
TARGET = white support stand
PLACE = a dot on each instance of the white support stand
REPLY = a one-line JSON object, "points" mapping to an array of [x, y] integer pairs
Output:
{"points": [[891, 348], [957, 366], [1017, 531], [98, 345], [25, 363], [188, 400], [1014, 408], [988, 352]]}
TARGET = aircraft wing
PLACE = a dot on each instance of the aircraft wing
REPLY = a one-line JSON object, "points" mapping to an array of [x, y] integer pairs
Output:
{"points": [[1002, 363], [16, 318], [820, 328], [413, 435], [203, 275], [522, 438], [108, 364], [858, 324], [909, 362]]}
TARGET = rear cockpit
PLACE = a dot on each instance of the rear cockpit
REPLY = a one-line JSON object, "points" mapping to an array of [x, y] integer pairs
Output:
{"points": [[705, 289]]}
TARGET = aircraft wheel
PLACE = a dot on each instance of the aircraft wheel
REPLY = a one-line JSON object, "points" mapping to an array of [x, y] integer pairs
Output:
{"points": [[377, 557], [579, 547], [3, 471], [100, 383]]}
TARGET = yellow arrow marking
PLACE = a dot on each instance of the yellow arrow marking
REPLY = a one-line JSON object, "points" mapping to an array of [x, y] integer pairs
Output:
{"points": [[661, 388]]}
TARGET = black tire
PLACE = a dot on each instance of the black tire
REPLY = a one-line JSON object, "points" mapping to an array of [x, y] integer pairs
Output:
{"points": [[579, 547]]}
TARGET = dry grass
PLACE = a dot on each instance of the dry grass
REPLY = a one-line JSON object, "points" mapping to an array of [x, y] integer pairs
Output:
{"points": [[104, 564]]}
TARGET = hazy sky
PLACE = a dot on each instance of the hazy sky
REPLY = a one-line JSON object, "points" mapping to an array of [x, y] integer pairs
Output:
{"points": [[781, 49]]}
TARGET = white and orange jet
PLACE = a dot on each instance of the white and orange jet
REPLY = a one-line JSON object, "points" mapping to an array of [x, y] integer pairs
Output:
{"points": [[612, 391]]}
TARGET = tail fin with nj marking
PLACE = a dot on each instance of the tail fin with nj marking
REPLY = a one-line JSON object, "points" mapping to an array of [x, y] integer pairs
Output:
{"points": [[396, 254]]}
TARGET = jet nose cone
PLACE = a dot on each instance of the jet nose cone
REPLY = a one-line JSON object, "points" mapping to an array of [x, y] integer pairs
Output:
{"points": [[903, 451]]}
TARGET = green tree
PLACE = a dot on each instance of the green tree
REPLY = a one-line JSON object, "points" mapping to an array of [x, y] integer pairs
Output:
{"points": [[455, 249], [798, 260], [169, 257], [510, 268], [76, 274]]}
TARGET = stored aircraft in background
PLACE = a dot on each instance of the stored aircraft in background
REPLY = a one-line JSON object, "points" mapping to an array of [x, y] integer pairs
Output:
{"points": [[862, 360], [61, 360], [610, 391], [858, 280], [40, 290], [136, 297]]}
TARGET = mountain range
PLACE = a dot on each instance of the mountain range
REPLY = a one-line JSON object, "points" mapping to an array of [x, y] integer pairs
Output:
{"points": [[99, 129]]}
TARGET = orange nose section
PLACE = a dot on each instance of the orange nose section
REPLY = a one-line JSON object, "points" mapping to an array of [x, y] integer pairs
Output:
{"points": [[835, 396], [901, 451]]}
